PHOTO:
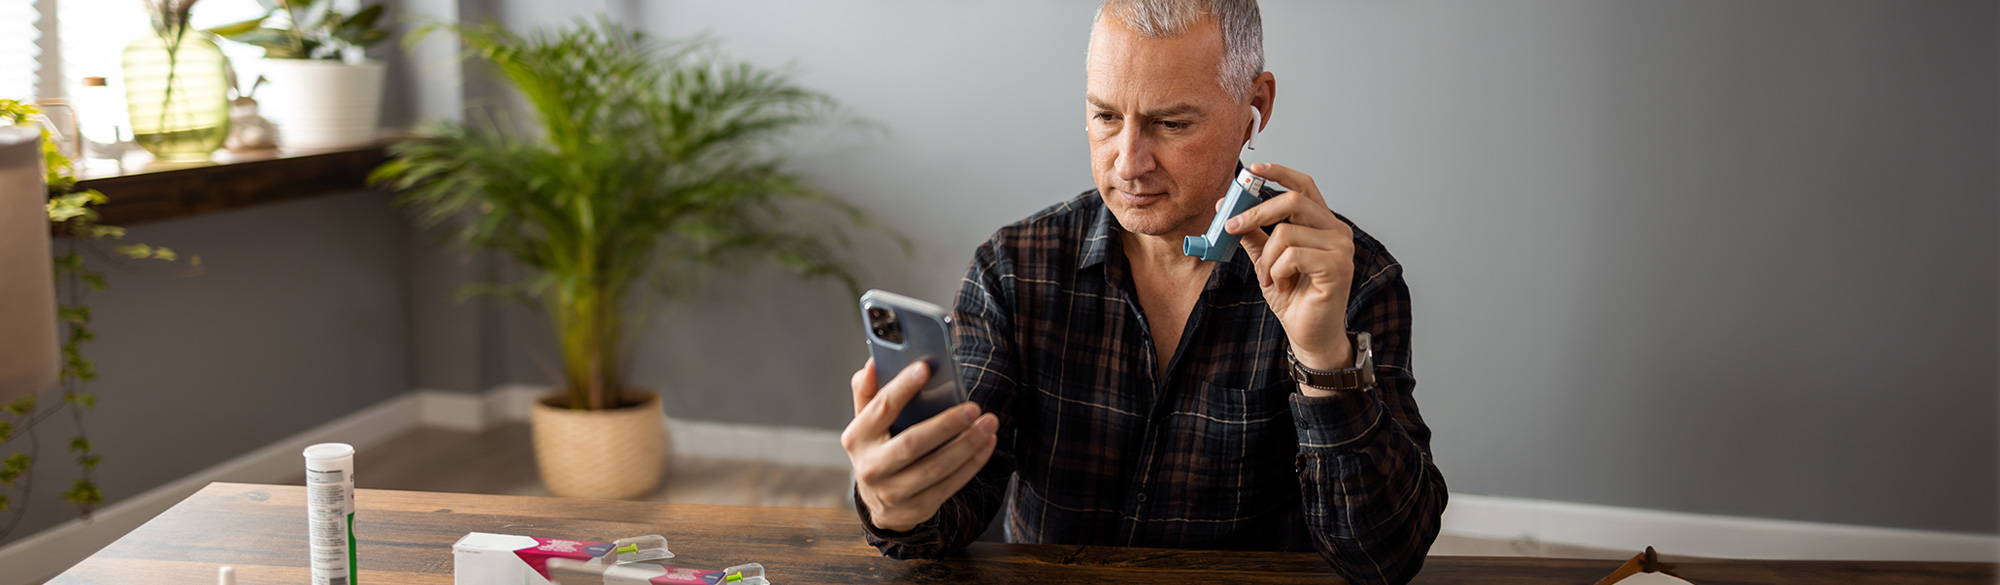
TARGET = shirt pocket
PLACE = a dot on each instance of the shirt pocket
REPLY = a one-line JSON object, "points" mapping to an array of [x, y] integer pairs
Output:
{"points": [[1246, 418], [1240, 449]]}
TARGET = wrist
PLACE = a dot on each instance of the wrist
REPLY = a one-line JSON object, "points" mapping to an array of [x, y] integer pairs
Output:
{"points": [[1347, 368], [872, 514], [897, 527], [889, 524], [1338, 357]]}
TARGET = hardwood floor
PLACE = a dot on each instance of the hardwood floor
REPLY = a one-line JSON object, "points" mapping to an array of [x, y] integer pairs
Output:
{"points": [[501, 461]]}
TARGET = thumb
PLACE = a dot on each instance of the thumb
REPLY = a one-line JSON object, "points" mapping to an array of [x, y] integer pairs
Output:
{"points": [[882, 411], [863, 385]]}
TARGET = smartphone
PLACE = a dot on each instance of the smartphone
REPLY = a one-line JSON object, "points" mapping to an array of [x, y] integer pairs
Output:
{"points": [[904, 331]]}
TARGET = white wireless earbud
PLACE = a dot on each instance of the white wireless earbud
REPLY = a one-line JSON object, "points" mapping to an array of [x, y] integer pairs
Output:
{"points": [[1256, 122]]}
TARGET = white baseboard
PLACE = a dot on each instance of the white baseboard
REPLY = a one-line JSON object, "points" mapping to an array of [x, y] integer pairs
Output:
{"points": [[46, 553], [1682, 533], [456, 411], [511, 402], [784, 445]]}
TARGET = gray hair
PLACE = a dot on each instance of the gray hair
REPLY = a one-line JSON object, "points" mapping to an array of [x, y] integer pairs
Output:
{"points": [[1242, 31]]}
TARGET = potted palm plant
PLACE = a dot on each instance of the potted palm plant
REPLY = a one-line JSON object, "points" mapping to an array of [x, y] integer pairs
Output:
{"points": [[324, 92], [637, 161]]}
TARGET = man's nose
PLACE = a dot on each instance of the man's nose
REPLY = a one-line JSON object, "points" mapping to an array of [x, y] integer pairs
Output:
{"points": [[1135, 154]]}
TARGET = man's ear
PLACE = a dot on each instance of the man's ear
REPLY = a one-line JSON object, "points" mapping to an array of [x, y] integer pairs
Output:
{"points": [[1263, 95]]}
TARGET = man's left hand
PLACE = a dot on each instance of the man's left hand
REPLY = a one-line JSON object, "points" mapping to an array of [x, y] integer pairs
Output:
{"points": [[1304, 265]]}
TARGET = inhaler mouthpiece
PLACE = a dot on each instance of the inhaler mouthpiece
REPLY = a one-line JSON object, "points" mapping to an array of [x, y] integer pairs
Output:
{"points": [[1218, 245]]}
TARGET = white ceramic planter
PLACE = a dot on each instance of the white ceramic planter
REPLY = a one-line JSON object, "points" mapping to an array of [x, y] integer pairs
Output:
{"points": [[321, 104]]}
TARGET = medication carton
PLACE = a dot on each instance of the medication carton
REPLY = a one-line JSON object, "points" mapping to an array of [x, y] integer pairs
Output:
{"points": [[500, 559]]}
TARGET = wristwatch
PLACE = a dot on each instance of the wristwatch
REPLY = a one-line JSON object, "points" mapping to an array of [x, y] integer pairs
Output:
{"points": [[1360, 378]]}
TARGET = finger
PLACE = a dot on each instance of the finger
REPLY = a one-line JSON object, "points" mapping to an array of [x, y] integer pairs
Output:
{"points": [[937, 493], [939, 464], [1281, 240], [1291, 207], [914, 443], [1288, 236], [863, 385], [1320, 267], [881, 412], [1296, 181], [1254, 242], [1283, 266], [1315, 238]]}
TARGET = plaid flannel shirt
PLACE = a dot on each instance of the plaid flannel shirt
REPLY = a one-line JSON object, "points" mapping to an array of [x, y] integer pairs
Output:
{"points": [[1222, 452]]}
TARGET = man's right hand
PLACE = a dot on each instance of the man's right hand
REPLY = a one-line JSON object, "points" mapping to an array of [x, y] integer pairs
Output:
{"points": [[904, 479]]}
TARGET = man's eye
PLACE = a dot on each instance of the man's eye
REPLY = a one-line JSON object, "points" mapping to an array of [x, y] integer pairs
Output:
{"points": [[1172, 124], [1104, 117]]}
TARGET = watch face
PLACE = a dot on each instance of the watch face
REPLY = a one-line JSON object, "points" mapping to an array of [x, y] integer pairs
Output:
{"points": [[1364, 358]]}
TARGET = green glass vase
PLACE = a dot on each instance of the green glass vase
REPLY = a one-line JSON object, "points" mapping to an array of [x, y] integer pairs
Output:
{"points": [[177, 92]]}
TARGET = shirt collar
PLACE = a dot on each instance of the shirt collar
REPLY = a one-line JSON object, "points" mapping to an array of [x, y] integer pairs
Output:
{"points": [[1098, 237], [1100, 242]]}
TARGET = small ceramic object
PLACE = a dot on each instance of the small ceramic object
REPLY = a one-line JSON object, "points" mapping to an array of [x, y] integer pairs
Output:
{"points": [[248, 130]]}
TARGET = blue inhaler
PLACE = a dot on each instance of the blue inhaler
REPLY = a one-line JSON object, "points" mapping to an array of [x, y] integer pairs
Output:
{"points": [[1218, 245], [1244, 193]]}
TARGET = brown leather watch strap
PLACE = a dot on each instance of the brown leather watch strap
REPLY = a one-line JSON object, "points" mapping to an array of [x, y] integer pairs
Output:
{"points": [[1359, 378]]}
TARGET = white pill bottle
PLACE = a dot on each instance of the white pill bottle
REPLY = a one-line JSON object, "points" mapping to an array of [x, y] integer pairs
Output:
{"points": [[330, 512]]}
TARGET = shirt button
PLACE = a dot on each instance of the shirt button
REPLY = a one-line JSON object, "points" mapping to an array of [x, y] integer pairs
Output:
{"points": [[1142, 498]]}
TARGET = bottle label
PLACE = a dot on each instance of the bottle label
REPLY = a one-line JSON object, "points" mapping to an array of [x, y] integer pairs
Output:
{"points": [[330, 519]]}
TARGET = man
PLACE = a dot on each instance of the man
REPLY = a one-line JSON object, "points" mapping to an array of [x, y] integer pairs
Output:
{"points": [[1137, 396]]}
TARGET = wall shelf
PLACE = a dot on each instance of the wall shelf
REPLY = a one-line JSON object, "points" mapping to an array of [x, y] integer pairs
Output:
{"points": [[153, 191]]}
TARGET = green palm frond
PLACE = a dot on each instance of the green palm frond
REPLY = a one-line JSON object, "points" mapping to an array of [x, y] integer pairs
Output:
{"points": [[633, 155]]}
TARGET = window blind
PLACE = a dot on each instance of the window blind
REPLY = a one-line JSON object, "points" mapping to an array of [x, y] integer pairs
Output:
{"points": [[19, 34]]}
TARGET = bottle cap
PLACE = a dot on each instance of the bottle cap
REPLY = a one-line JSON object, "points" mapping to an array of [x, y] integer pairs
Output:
{"points": [[330, 453]]}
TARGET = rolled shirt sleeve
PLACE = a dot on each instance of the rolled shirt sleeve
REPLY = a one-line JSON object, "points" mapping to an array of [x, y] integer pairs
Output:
{"points": [[1372, 497]]}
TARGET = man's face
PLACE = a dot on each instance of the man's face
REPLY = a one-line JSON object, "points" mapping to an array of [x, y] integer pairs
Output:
{"points": [[1164, 136]]}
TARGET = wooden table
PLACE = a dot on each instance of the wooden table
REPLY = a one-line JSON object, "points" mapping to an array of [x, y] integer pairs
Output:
{"points": [[406, 537]]}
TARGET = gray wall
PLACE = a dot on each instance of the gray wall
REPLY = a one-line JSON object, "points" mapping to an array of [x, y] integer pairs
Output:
{"points": [[1707, 256], [296, 318]]}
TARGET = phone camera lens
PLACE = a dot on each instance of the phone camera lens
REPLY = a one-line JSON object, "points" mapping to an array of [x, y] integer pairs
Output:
{"points": [[882, 322]]}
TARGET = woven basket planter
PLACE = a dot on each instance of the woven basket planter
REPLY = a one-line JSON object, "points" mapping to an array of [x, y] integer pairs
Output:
{"points": [[615, 454]]}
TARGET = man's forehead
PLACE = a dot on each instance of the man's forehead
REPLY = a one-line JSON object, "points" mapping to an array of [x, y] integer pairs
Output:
{"points": [[1124, 66], [1153, 95]]}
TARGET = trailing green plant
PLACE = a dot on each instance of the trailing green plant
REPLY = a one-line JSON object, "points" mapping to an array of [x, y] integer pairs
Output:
{"points": [[639, 162], [308, 29], [70, 210]]}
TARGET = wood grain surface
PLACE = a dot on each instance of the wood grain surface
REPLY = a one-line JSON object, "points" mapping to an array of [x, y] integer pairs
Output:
{"points": [[164, 191], [406, 537]]}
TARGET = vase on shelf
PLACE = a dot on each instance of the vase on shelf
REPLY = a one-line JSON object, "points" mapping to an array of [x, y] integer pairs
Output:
{"points": [[177, 92], [320, 104]]}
